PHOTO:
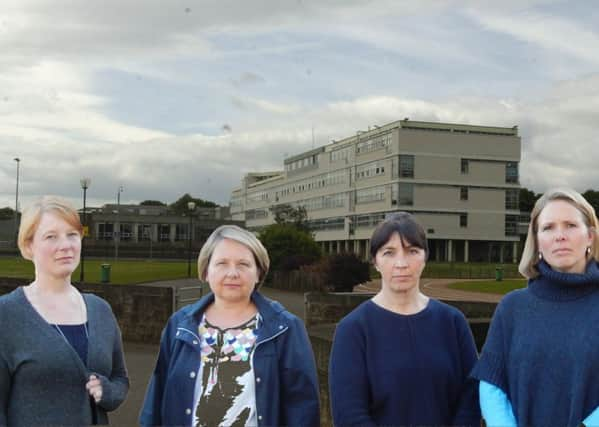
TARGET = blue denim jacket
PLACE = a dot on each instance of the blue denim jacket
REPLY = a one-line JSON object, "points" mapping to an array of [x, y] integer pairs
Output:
{"points": [[284, 369]]}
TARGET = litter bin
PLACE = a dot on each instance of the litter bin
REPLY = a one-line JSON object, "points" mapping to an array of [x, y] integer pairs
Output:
{"points": [[105, 273], [498, 274]]}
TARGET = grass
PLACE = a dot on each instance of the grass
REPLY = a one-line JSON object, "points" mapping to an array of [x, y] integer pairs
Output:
{"points": [[122, 272], [462, 270], [490, 286]]}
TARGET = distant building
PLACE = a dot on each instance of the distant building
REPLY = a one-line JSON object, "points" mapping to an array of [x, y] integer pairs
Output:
{"points": [[137, 223], [461, 181]]}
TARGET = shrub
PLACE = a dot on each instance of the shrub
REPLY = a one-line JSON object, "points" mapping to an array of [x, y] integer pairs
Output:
{"points": [[345, 271]]}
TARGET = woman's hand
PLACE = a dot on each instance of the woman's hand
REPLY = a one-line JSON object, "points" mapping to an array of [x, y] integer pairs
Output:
{"points": [[94, 388]]}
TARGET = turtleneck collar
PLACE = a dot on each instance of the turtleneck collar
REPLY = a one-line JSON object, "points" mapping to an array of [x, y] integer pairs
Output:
{"points": [[555, 285]]}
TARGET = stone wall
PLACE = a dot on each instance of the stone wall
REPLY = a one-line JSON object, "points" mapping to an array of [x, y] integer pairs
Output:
{"points": [[141, 311]]}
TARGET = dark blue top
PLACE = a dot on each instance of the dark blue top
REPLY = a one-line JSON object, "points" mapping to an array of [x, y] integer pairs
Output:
{"points": [[76, 335], [409, 370], [542, 349]]}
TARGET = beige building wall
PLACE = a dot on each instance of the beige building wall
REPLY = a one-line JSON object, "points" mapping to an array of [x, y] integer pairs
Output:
{"points": [[458, 184]]}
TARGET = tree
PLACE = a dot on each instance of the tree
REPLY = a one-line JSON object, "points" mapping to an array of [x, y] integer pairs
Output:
{"points": [[289, 247], [7, 213], [152, 203], [592, 197], [287, 214], [528, 199], [180, 206]]}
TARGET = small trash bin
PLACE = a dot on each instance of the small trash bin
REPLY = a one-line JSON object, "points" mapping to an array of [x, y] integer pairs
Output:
{"points": [[498, 274], [105, 273]]}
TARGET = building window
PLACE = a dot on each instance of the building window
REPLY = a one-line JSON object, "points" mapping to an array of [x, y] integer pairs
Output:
{"points": [[164, 232], [144, 232], [126, 232], [463, 220], [367, 195], [369, 170], [105, 231], [511, 225], [406, 194], [373, 144], [465, 167], [511, 199], [511, 172], [406, 166], [464, 193]]}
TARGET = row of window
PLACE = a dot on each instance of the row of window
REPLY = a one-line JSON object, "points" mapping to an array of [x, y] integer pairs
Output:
{"points": [[323, 202], [373, 144], [301, 163], [402, 194], [106, 231], [371, 169]]}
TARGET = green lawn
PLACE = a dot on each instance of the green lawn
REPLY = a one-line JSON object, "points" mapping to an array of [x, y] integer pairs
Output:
{"points": [[122, 272], [490, 286]]}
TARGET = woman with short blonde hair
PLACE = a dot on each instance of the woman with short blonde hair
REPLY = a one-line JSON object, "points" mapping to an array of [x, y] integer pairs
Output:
{"points": [[65, 366], [234, 357]]}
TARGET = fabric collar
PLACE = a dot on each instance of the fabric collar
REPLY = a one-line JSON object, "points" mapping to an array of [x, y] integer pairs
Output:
{"points": [[555, 285]]}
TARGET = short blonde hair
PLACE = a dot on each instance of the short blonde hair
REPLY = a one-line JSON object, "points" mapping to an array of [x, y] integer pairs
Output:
{"points": [[238, 234], [530, 254], [32, 216]]}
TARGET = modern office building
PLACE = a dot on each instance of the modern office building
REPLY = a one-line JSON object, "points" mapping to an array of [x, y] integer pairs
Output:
{"points": [[461, 181]]}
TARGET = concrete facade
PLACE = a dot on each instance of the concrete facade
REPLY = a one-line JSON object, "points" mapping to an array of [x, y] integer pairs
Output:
{"points": [[461, 181]]}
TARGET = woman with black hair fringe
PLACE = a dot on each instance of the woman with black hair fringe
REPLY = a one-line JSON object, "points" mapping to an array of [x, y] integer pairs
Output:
{"points": [[402, 358]]}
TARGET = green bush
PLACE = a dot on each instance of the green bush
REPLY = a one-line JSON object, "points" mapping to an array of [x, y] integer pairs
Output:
{"points": [[289, 247]]}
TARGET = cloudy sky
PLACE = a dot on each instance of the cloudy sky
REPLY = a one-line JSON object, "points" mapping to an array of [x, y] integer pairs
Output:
{"points": [[169, 97]]}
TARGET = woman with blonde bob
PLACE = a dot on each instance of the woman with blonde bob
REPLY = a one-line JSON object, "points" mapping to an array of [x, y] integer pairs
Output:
{"points": [[234, 358], [539, 364], [61, 358]]}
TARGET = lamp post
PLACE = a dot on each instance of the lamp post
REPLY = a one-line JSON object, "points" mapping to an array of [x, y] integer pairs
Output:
{"points": [[191, 207], [85, 183], [117, 233], [16, 159]]}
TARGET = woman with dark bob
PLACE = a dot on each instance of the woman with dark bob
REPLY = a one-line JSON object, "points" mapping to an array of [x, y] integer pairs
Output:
{"points": [[234, 358], [402, 358], [61, 358], [540, 363]]}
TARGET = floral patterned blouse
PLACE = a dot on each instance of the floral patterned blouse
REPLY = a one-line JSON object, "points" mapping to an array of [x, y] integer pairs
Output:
{"points": [[225, 390]]}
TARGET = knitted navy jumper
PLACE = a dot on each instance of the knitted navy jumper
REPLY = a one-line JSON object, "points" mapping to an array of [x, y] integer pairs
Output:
{"points": [[389, 369], [542, 349]]}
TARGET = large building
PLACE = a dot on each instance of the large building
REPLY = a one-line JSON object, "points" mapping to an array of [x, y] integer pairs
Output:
{"points": [[461, 181]]}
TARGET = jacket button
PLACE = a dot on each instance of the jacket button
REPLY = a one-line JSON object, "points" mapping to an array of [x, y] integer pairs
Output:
{"points": [[258, 379], [260, 417], [195, 342], [188, 411], [280, 326], [192, 374]]}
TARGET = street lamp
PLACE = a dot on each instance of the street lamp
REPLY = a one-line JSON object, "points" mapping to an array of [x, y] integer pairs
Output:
{"points": [[191, 207], [85, 183], [117, 233], [16, 159]]}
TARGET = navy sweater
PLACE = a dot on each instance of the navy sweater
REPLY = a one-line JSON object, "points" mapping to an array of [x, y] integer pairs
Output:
{"points": [[542, 349], [403, 370]]}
